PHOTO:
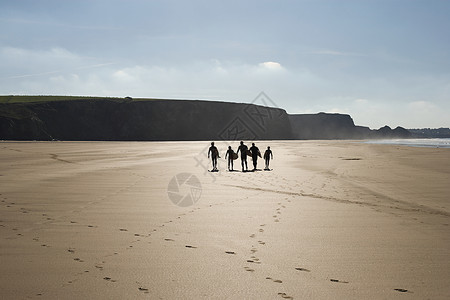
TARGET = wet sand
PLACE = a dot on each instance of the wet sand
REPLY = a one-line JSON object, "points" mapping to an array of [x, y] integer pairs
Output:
{"points": [[332, 220]]}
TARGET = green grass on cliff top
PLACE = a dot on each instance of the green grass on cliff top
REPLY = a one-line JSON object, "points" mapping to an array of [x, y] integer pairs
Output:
{"points": [[37, 99], [19, 109]]}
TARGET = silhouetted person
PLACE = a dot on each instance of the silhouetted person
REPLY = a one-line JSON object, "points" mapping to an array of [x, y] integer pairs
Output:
{"points": [[255, 153], [243, 148], [230, 154], [267, 156], [214, 155]]}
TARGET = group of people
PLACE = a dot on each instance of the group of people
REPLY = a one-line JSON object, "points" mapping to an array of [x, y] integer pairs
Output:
{"points": [[254, 152]]}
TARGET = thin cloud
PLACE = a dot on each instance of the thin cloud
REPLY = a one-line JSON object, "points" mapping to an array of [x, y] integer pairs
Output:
{"points": [[30, 75], [336, 53], [57, 71], [33, 63], [95, 66], [56, 24]]}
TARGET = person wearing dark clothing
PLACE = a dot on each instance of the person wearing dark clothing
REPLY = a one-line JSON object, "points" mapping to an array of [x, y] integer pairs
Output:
{"points": [[243, 148], [267, 156], [230, 154], [214, 155], [255, 153]]}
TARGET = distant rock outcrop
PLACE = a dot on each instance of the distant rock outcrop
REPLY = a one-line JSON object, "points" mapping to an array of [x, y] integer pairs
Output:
{"points": [[431, 133], [322, 126], [105, 119], [338, 126], [398, 132]]}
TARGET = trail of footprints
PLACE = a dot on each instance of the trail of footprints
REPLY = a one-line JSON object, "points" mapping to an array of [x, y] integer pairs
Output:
{"points": [[255, 261], [99, 266], [136, 238], [252, 262]]}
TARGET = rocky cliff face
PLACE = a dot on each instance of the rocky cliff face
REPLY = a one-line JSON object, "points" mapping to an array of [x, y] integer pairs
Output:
{"points": [[338, 126], [172, 120], [322, 126], [150, 120]]}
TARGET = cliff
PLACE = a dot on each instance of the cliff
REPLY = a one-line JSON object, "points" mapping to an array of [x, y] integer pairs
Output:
{"points": [[141, 120], [338, 126], [126, 119], [322, 126]]}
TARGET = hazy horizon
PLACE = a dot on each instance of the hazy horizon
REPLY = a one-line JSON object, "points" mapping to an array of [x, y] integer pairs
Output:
{"points": [[383, 62]]}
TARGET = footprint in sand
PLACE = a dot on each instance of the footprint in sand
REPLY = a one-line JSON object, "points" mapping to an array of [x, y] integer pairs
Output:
{"points": [[169, 240], [252, 235], [109, 279], [253, 261], [337, 280], [230, 252], [261, 230], [249, 269], [261, 242], [302, 269], [402, 291], [189, 246], [285, 296], [274, 280], [277, 220], [142, 289], [123, 229]]}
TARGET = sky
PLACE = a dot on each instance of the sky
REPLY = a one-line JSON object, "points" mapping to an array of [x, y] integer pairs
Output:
{"points": [[384, 62]]}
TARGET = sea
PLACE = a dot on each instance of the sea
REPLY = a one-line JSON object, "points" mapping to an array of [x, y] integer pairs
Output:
{"points": [[431, 143]]}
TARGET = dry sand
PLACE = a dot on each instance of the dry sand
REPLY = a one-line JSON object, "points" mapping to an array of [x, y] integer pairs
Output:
{"points": [[332, 220]]}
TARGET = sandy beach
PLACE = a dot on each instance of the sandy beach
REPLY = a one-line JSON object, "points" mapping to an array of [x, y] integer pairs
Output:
{"points": [[331, 220]]}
